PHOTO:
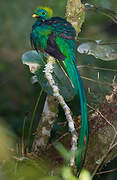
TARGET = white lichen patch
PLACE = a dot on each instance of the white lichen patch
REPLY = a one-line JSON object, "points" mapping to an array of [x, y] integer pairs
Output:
{"points": [[71, 126], [98, 161], [45, 131], [50, 121], [48, 73], [41, 142]]}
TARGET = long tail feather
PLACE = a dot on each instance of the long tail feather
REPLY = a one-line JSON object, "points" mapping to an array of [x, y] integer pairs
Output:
{"points": [[79, 90]]}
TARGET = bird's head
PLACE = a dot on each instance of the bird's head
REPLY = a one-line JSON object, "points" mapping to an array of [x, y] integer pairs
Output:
{"points": [[43, 12]]}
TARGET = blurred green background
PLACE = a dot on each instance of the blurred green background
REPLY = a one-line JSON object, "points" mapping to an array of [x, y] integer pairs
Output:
{"points": [[17, 95]]}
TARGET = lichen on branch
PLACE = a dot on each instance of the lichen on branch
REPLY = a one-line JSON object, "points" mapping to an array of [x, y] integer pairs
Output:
{"points": [[75, 13], [48, 73]]}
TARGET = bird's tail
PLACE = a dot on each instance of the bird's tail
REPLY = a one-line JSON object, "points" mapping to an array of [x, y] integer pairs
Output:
{"points": [[79, 91]]}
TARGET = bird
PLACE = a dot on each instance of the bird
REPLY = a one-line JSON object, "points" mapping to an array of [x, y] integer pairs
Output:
{"points": [[56, 37]]}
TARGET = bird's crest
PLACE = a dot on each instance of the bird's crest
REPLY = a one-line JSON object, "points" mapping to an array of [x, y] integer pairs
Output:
{"points": [[49, 10]]}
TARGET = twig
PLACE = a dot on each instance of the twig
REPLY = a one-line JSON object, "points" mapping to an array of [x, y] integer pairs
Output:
{"points": [[48, 73], [94, 67], [22, 138], [65, 134], [95, 81], [114, 145], [104, 157], [111, 145], [108, 171], [103, 118]]}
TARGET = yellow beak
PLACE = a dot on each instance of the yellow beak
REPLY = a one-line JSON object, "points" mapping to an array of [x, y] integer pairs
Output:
{"points": [[34, 15]]}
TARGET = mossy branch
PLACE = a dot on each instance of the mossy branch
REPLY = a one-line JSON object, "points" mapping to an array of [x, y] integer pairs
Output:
{"points": [[48, 73], [75, 13]]}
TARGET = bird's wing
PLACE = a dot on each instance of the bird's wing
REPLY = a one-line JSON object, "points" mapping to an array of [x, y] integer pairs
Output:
{"points": [[62, 28]]}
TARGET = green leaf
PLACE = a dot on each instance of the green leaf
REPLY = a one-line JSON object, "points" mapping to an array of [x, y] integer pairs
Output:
{"points": [[36, 62], [32, 57], [101, 50], [98, 78]]}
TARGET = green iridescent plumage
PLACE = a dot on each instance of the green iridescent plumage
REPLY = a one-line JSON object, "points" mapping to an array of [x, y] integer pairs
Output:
{"points": [[56, 36]]}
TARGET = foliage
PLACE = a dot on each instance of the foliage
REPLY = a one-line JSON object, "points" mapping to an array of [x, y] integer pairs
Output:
{"points": [[100, 50], [32, 59]]}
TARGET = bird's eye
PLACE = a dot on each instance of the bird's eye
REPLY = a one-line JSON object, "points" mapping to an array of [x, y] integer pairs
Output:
{"points": [[43, 13]]}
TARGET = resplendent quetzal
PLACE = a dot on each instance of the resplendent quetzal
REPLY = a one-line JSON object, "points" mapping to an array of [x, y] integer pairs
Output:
{"points": [[56, 36]]}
